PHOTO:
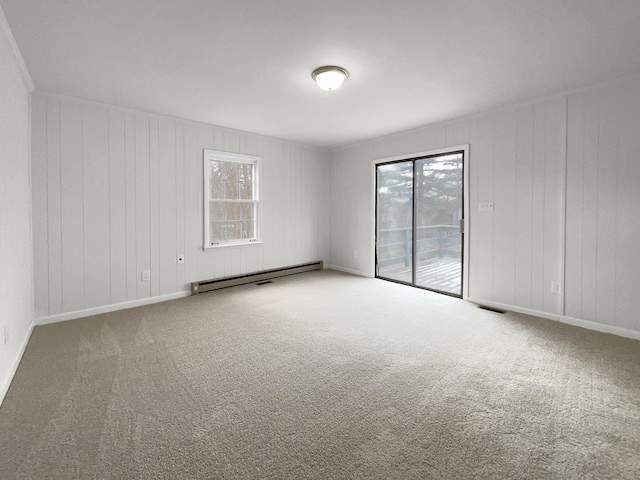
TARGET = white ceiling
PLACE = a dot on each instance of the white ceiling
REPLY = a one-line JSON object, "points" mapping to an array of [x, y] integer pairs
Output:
{"points": [[246, 64]]}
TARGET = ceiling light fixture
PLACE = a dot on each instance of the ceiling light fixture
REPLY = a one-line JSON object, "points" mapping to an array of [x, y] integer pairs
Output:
{"points": [[329, 77]]}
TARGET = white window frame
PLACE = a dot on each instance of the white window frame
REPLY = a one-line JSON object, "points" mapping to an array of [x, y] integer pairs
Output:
{"points": [[208, 157]]}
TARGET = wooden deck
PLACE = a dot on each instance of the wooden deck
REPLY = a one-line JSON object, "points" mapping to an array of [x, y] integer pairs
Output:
{"points": [[442, 274]]}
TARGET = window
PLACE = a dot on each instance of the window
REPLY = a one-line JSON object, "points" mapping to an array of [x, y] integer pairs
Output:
{"points": [[231, 209]]}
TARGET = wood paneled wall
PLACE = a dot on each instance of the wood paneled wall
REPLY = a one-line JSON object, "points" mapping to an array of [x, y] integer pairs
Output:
{"points": [[516, 159], [16, 259], [564, 176], [603, 195], [116, 192]]}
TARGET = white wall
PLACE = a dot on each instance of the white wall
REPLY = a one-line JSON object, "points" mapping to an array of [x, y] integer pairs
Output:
{"points": [[520, 158], [16, 267], [117, 191], [603, 199]]}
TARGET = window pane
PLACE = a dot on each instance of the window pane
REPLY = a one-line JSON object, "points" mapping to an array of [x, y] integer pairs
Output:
{"points": [[248, 230], [218, 212], [234, 230], [246, 172], [232, 191], [217, 232], [216, 169], [234, 211], [248, 211], [394, 221], [217, 189], [246, 191], [231, 171]]}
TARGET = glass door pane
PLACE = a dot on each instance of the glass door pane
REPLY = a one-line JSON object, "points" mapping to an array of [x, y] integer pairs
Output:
{"points": [[394, 225], [438, 211]]}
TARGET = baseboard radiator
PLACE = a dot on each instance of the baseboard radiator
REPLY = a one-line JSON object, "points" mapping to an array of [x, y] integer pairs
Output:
{"points": [[208, 285]]}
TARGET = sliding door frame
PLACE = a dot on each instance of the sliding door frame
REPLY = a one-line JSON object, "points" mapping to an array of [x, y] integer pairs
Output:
{"points": [[465, 206]]}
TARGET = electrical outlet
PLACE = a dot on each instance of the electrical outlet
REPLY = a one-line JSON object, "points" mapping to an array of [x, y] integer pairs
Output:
{"points": [[355, 254], [146, 275], [180, 259], [555, 287], [485, 206]]}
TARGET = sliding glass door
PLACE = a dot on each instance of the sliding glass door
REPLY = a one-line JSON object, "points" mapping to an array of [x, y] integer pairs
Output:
{"points": [[394, 225], [419, 212]]}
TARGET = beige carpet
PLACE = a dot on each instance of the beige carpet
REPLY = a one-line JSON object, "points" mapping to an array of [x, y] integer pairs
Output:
{"points": [[322, 375]]}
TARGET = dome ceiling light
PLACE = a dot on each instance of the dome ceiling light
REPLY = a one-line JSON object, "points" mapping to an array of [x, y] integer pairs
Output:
{"points": [[329, 77]]}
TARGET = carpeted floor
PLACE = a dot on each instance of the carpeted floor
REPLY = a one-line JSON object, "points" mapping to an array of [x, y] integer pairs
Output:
{"points": [[322, 375]]}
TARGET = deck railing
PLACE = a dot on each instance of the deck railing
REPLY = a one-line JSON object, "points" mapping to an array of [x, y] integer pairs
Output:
{"points": [[435, 241]]}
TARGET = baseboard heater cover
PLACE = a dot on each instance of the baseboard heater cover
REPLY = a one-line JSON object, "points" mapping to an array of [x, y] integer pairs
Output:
{"points": [[208, 285]]}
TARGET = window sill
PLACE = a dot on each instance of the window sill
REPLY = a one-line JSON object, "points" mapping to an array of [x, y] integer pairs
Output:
{"points": [[231, 245]]}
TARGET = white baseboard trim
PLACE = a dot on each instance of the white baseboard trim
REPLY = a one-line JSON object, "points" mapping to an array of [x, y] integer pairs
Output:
{"points": [[576, 322], [109, 308], [348, 270], [4, 388]]}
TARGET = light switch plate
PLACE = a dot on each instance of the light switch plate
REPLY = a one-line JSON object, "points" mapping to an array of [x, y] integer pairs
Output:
{"points": [[485, 206]]}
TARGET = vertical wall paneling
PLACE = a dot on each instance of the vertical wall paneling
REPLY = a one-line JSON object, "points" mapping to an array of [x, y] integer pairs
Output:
{"points": [[575, 193], [516, 159], [154, 203], [97, 261], [277, 197], [304, 206], [482, 229], [192, 175], [131, 254], [538, 207], [460, 134], [143, 221], [624, 228], [436, 138], [287, 208], [563, 173], [118, 192], [39, 182], [523, 206], [180, 204], [235, 261], [603, 172], [504, 195], [606, 209], [167, 219], [231, 142], [589, 206], [54, 205], [19, 243], [311, 182], [365, 178], [554, 201], [628, 214], [72, 211], [117, 207], [296, 214], [472, 212]]}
